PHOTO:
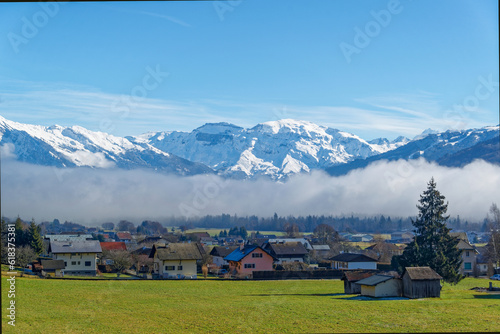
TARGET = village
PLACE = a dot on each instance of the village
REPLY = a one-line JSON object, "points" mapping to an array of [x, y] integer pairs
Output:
{"points": [[365, 270]]}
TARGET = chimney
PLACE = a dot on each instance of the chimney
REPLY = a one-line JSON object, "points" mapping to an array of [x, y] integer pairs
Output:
{"points": [[242, 246]]}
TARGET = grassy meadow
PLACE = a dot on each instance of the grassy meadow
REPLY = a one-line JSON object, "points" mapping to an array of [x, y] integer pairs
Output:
{"points": [[312, 306]]}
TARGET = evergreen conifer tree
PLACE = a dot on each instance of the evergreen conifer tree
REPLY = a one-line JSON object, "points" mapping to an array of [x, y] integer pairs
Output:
{"points": [[35, 240], [433, 245]]}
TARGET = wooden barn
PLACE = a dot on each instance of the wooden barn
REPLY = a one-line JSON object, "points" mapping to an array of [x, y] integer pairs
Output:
{"points": [[421, 282], [350, 279]]}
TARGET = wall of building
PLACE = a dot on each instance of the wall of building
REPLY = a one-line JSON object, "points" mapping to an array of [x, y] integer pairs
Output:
{"points": [[180, 268], [78, 263], [362, 265]]}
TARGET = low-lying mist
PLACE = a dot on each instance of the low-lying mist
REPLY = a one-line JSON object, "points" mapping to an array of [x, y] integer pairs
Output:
{"points": [[92, 196]]}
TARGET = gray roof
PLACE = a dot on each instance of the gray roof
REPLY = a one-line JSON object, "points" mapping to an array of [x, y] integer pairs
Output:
{"points": [[374, 280], [350, 257], [68, 237], [87, 246], [287, 249], [178, 251], [321, 247], [52, 264], [421, 273]]}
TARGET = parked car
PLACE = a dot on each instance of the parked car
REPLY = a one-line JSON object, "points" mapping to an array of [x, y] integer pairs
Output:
{"points": [[222, 272], [495, 277]]}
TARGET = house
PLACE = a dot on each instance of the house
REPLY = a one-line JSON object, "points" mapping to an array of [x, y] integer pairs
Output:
{"points": [[286, 251], [383, 252], [401, 237], [381, 286], [351, 278], [52, 267], [469, 254], [197, 236], [123, 236], [207, 241], [249, 258], [117, 246], [219, 253], [303, 241], [353, 261], [175, 260], [421, 282], [108, 247], [482, 261], [150, 240], [68, 237], [321, 250], [79, 257], [141, 255], [361, 238]]}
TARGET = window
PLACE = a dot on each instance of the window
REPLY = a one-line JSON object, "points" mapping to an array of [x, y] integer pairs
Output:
{"points": [[256, 254], [169, 268], [87, 264], [78, 262], [179, 267], [467, 253], [65, 264], [73, 263], [249, 265], [467, 265]]}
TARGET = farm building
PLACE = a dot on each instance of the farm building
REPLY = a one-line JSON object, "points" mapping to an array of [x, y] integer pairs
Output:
{"points": [[351, 278], [380, 286], [421, 282], [52, 267], [353, 261]]}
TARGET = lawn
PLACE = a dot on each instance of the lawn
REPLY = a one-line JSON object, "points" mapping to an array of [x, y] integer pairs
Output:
{"points": [[212, 306]]}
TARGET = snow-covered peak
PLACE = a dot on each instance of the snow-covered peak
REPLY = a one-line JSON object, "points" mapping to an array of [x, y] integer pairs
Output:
{"points": [[302, 128], [219, 128], [425, 133]]}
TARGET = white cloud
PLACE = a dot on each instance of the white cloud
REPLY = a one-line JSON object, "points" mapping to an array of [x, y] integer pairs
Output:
{"points": [[96, 195]]}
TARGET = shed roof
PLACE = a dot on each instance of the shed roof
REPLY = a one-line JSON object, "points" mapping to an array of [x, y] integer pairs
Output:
{"points": [[422, 273], [460, 235], [354, 276], [179, 251], [350, 257], [374, 280], [87, 246], [52, 264]]}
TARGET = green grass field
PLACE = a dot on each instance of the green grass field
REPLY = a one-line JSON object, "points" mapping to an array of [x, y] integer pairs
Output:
{"points": [[211, 306]]}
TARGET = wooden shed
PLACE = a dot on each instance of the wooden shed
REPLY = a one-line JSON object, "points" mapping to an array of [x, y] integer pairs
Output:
{"points": [[381, 286], [351, 278], [421, 282]]}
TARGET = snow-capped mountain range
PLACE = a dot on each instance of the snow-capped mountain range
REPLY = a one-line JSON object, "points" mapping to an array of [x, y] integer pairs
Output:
{"points": [[274, 149]]}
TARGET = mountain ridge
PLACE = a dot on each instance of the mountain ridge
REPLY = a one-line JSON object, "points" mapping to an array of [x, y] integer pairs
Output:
{"points": [[275, 149]]}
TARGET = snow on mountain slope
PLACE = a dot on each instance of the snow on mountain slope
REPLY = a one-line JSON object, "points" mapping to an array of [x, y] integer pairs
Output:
{"points": [[275, 149], [444, 148], [78, 147]]}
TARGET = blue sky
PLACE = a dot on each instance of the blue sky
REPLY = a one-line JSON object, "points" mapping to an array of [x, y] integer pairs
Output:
{"points": [[373, 68]]}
